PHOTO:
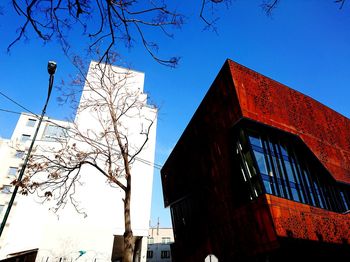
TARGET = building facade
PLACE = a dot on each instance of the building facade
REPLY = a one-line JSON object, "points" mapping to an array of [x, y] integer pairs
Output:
{"points": [[261, 173], [92, 229], [159, 241]]}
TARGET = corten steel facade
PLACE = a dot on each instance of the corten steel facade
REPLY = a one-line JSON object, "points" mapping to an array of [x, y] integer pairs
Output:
{"points": [[261, 173]]}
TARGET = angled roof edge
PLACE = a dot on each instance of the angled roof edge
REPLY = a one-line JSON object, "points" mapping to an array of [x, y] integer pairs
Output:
{"points": [[325, 131]]}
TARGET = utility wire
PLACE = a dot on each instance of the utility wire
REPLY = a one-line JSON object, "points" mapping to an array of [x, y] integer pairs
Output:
{"points": [[155, 165], [10, 111], [13, 101]]}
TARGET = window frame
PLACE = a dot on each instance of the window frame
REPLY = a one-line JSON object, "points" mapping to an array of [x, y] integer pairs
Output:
{"points": [[6, 189], [26, 136], [11, 170], [54, 133], [31, 122], [150, 240], [164, 254], [293, 172], [19, 154], [149, 254], [166, 240]]}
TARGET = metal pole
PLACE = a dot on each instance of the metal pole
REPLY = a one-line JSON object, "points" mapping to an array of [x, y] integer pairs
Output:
{"points": [[51, 69]]}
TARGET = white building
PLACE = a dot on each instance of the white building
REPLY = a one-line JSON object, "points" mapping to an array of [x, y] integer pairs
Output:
{"points": [[68, 235], [159, 241]]}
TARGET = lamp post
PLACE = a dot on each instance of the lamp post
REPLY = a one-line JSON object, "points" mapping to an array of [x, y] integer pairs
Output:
{"points": [[51, 68]]}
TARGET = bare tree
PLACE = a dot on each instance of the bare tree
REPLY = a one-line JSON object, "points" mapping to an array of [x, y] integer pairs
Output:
{"points": [[269, 6], [112, 103], [106, 24]]}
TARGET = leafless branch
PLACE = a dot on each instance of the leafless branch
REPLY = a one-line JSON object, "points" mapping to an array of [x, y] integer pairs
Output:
{"points": [[269, 6], [340, 2], [108, 149], [115, 20]]}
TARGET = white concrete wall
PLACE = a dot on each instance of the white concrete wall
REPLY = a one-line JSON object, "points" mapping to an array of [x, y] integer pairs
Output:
{"points": [[32, 225]]}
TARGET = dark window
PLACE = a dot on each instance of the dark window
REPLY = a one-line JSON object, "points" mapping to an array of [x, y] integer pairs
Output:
{"points": [[149, 253], [165, 240], [31, 122], [281, 165], [6, 189], [53, 132], [25, 138], [12, 171], [19, 154], [185, 214], [165, 254], [150, 240]]}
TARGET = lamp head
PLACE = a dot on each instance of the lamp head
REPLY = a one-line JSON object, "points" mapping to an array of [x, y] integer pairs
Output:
{"points": [[51, 67]]}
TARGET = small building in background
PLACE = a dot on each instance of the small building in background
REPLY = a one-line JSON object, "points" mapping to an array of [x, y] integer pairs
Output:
{"points": [[159, 241], [261, 173]]}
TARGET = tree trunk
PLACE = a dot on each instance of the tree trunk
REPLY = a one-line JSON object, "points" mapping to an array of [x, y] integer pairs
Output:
{"points": [[128, 235]]}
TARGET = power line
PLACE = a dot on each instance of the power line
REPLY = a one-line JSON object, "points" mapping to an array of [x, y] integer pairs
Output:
{"points": [[18, 104], [155, 165], [10, 111]]}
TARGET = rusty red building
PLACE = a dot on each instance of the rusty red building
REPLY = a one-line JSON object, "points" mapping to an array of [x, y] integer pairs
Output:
{"points": [[261, 173]]}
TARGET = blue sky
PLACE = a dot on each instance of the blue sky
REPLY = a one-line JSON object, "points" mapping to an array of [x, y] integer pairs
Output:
{"points": [[304, 45]]}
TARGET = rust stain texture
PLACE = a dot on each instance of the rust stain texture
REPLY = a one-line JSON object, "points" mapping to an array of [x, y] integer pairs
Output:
{"points": [[201, 164], [325, 132], [254, 229], [296, 220], [199, 154]]}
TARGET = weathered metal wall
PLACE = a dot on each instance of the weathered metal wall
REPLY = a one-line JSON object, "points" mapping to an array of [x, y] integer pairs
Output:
{"points": [[201, 163], [300, 221], [325, 132]]}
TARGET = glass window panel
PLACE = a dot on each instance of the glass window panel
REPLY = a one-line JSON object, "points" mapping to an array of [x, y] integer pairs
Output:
{"points": [[165, 240], [312, 199], [299, 181], [344, 200], [260, 159], [318, 195], [243, 174], [165, 254], [150, 240], [12, 171], [257, 186], [311, 195], [327, 197], [285, 170], [255, 140], [278, 177], [267, 186], [6, 189], [249, 165], [31, 122], [54, 132], [149, 254], [19, 154], [283, 150], [289, 171], [295, 194], [25, 138]]}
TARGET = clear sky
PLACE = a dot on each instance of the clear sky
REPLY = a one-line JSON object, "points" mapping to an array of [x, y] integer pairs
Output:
{"points": [[304, 45]]}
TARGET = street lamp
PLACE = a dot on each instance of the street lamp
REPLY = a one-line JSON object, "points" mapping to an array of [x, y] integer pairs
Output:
{"points": [[51, 68]]}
